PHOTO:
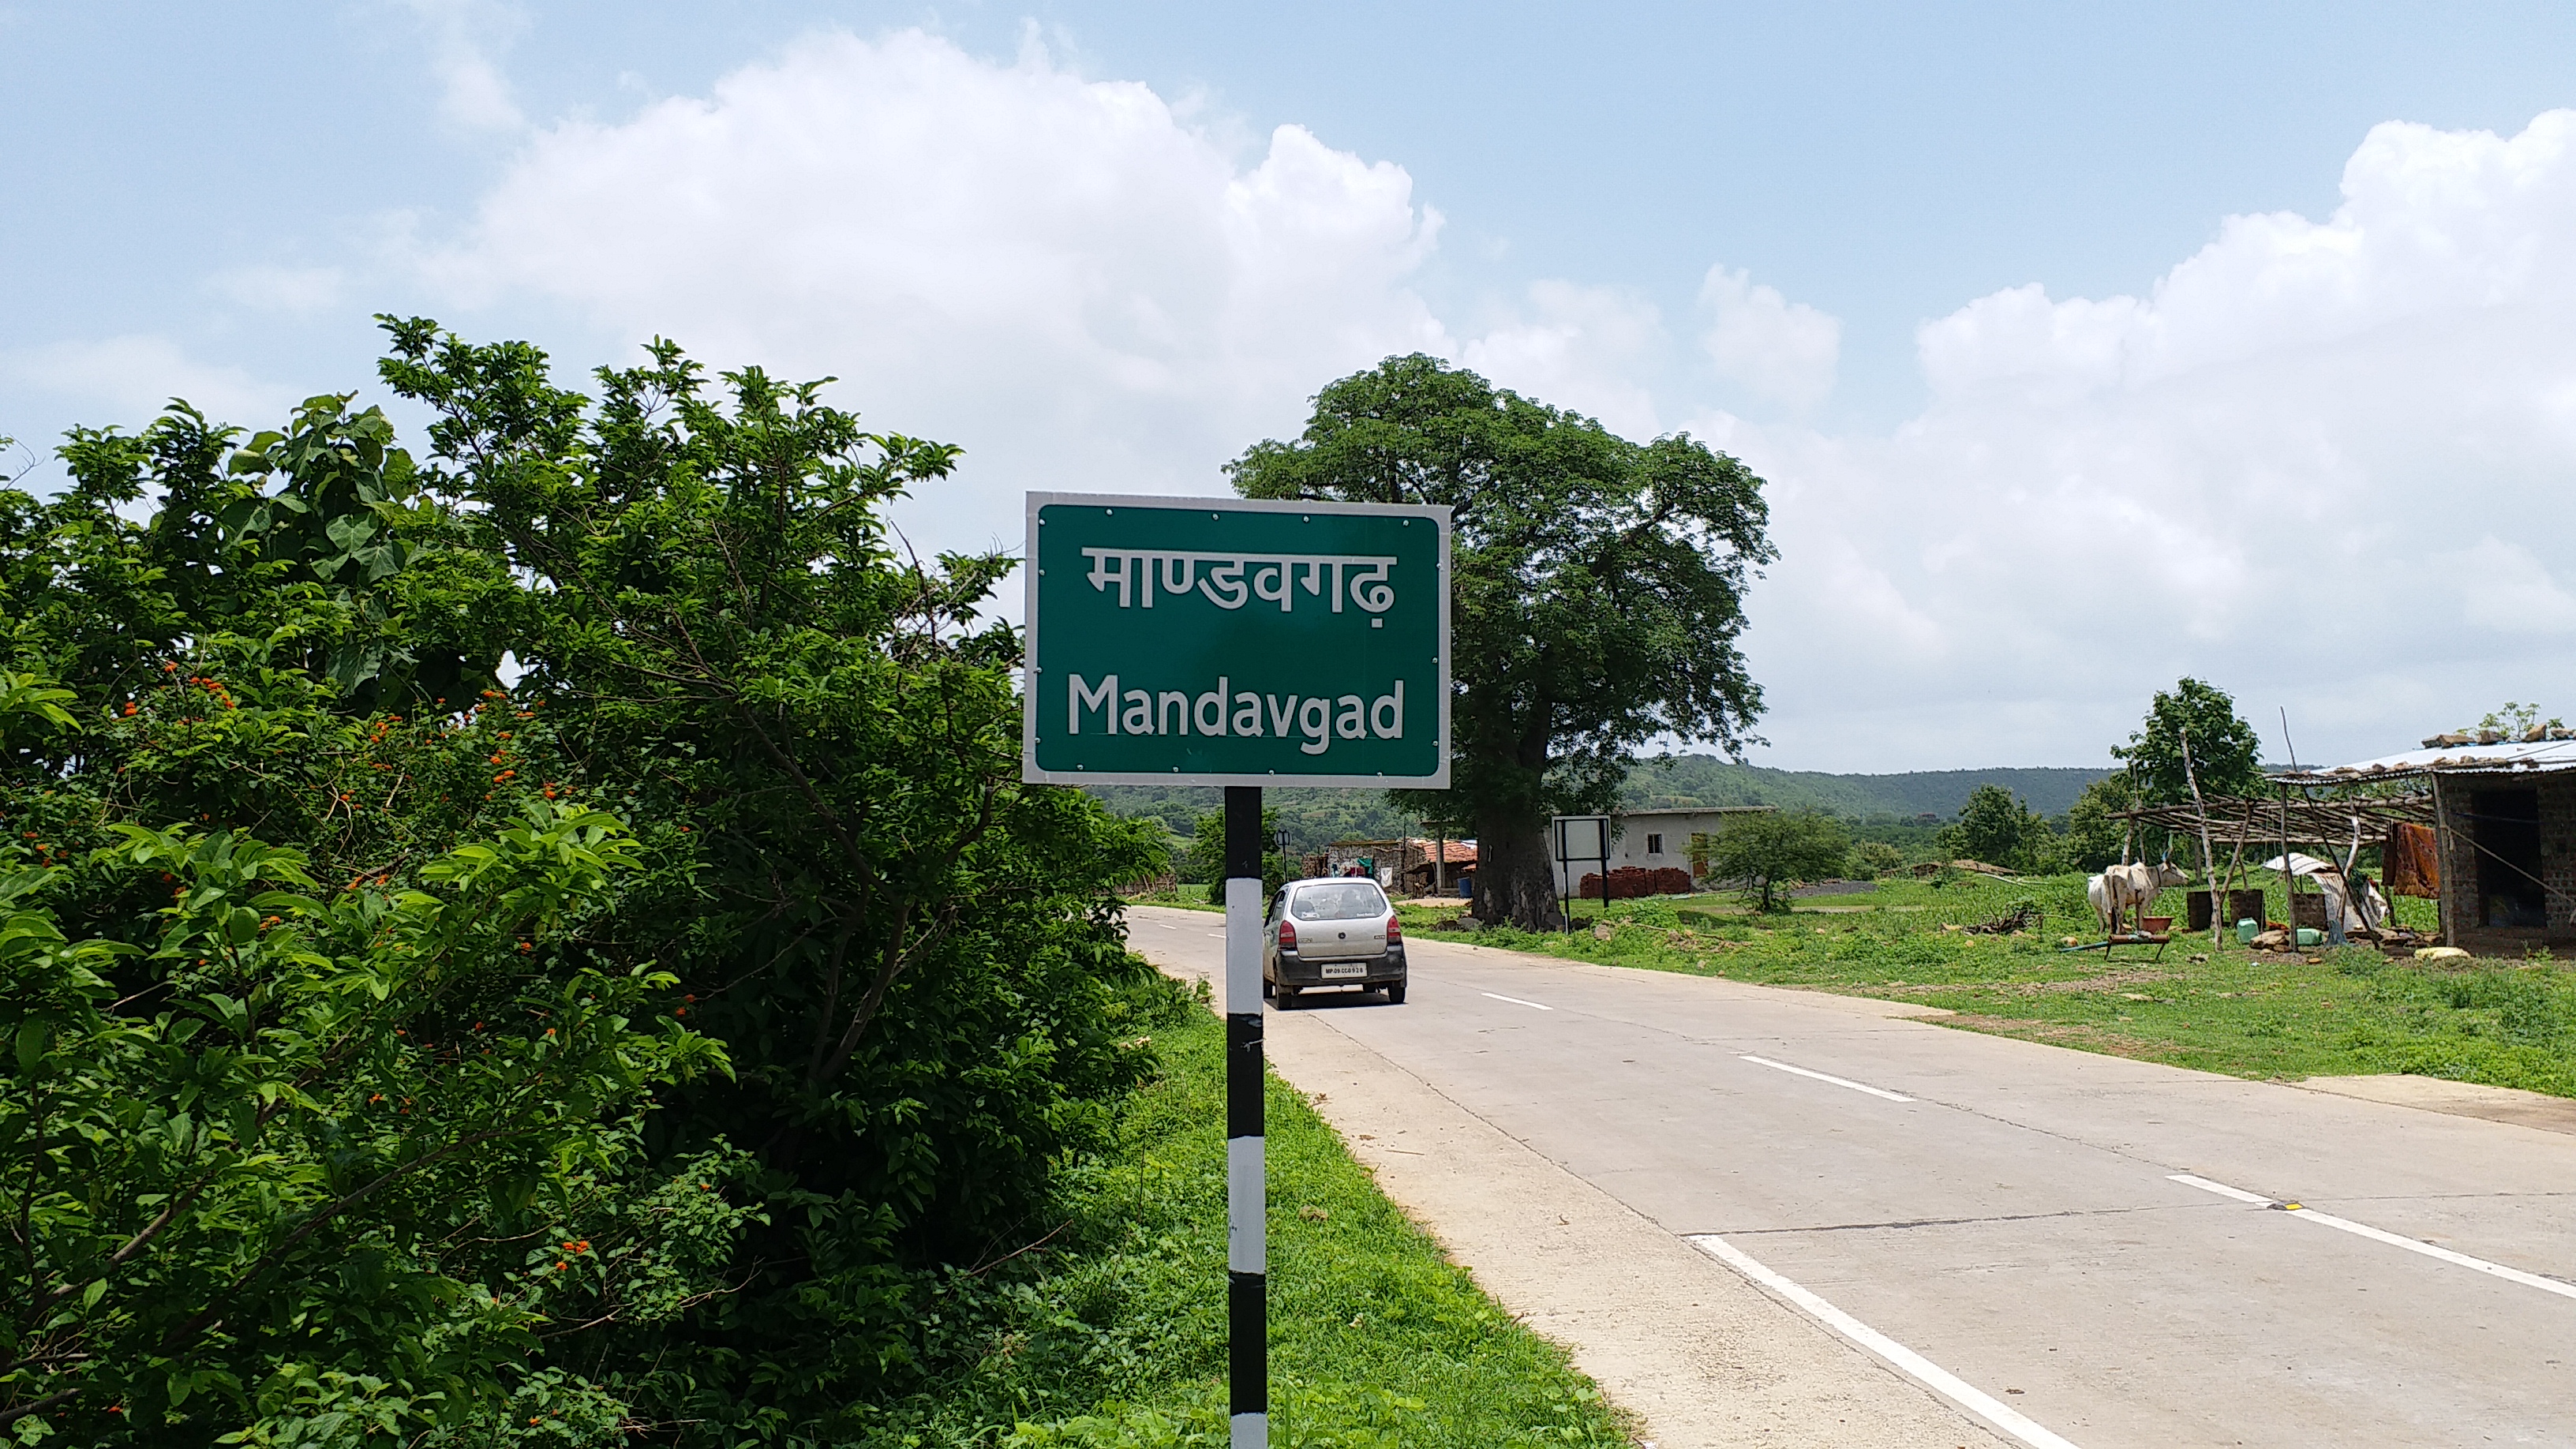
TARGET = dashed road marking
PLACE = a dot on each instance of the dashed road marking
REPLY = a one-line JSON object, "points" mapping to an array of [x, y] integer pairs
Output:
{"points": [[1824, 1077], [1516, 1001], [2381, 1235]]}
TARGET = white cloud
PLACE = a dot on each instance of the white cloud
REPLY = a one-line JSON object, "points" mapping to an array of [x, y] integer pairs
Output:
{"points": [[2504, 588], [127, 380], [463, 34], [1784, 351], [2288, 467], [1581, 348], [2320, 462], [1057, 273]]}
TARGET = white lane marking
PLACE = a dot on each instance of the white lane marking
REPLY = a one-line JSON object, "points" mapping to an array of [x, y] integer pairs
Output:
{"points": [[1906, 1361], [1220, 935], [2220, 1188], [1821, 1077], [1516, 1001], [2382, 1235]]}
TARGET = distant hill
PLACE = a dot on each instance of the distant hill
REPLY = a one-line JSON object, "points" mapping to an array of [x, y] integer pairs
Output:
{"points": [[1677, 780], [1315, 817]]}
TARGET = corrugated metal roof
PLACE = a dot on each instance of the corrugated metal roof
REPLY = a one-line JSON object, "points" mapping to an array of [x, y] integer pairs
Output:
{"points": [[2518, 756]]}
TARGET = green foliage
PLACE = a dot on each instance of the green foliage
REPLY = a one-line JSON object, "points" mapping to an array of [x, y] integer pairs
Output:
{"points": [[1760, 852], [1676, 781], [751, 801], [1313, 818], [2514, 720], [1871, 859], [287, 1141], [1597, 593], [2000, 830], [912, 956], [1205, 858], [2226, 754], [2093, 837]]}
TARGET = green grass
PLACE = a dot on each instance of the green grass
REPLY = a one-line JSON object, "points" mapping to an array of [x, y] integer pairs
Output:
{"points": [[2506, 1023], [1375, 1340]]}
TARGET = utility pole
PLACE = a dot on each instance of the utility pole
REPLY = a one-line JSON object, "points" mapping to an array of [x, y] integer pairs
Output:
{"points": [[1247, 1248]]}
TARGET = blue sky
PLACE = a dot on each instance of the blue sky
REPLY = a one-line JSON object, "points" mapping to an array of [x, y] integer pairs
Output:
{"points": [[1807, 233]]}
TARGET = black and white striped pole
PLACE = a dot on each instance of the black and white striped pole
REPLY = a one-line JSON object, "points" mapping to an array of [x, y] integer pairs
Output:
{"points": [[1247, 1257]]}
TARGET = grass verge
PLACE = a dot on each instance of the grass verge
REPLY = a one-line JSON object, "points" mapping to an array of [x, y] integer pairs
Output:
{"points": [[1118, 1342], [2220, 1009]]}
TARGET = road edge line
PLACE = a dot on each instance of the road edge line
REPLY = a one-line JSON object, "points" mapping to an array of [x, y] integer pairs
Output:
{"points": [[1905, 1360]]}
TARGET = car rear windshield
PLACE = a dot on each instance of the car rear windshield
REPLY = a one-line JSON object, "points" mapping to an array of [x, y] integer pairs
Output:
{"points": [[1340, 901]]}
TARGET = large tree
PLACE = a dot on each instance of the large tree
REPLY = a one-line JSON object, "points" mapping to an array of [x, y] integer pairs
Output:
{"points": [[1599, 592], [2226, 754], [1997, 828]]}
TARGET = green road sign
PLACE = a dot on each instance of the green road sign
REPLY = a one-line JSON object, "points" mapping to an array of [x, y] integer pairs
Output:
{"points": [[1235, 642]]}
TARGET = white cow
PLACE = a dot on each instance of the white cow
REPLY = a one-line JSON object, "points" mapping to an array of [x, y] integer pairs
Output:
{"points": [[2124, 888]]}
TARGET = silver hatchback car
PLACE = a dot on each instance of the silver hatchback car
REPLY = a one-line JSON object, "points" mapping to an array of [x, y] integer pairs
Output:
{"points": [[1333, 931]]}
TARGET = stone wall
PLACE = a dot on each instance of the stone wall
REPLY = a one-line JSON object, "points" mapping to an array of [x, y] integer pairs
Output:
{"points": [[2462, 863], [2558, 850]]}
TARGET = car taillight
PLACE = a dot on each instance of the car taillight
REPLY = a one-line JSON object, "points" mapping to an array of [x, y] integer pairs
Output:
{"points": [[1394, 929], [1287, 933]]}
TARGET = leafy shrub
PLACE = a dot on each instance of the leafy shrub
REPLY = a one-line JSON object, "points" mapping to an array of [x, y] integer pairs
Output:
{"points": [[749, 794]]}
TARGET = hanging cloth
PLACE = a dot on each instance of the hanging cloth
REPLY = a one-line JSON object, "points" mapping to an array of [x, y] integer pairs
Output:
{"points": [[2410, 863]]}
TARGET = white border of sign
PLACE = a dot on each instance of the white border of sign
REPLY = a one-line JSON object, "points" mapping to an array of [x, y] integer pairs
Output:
{"points": [[1438, 513]]}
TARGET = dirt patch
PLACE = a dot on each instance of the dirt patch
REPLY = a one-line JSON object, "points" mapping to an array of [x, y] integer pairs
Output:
{"points": [[2066, 1034]]}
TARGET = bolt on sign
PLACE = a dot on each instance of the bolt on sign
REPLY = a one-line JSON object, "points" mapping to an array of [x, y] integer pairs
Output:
{"points": [[1236, 642]]}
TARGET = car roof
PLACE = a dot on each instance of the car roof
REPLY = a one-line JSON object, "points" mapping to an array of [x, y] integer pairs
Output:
{"points": [[1314, 880]]}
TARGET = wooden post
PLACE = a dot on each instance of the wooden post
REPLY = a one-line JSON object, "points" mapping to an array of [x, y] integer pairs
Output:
{"points": [[2289, 877], [2208, 857]]}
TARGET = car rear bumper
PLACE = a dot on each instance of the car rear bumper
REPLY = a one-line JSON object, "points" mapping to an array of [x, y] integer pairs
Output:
{"points": [[1287, 969]]}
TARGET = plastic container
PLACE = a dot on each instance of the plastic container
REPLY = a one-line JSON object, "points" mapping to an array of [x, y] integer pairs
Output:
{"points": [[2308, 937], [2247, 930]]}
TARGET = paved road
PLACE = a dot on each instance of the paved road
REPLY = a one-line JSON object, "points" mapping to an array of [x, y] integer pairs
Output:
{"points": [[2012, 1213]]}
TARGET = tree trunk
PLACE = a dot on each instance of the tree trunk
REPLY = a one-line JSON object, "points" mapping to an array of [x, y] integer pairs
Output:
{"points": [[1514, 881]]}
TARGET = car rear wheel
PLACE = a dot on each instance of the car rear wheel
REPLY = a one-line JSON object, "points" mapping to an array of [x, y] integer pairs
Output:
{"points": [[1395, 994]]}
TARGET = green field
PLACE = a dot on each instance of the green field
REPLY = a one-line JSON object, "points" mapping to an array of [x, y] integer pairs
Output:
{"points": [[2219, 1009], [1118, 1340]]}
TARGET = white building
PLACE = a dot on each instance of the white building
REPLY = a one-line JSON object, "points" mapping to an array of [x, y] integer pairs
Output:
{"points": [[1653, 840]]}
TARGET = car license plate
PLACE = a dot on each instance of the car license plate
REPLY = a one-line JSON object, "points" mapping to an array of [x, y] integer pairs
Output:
{"points": [[1353, 968]]}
